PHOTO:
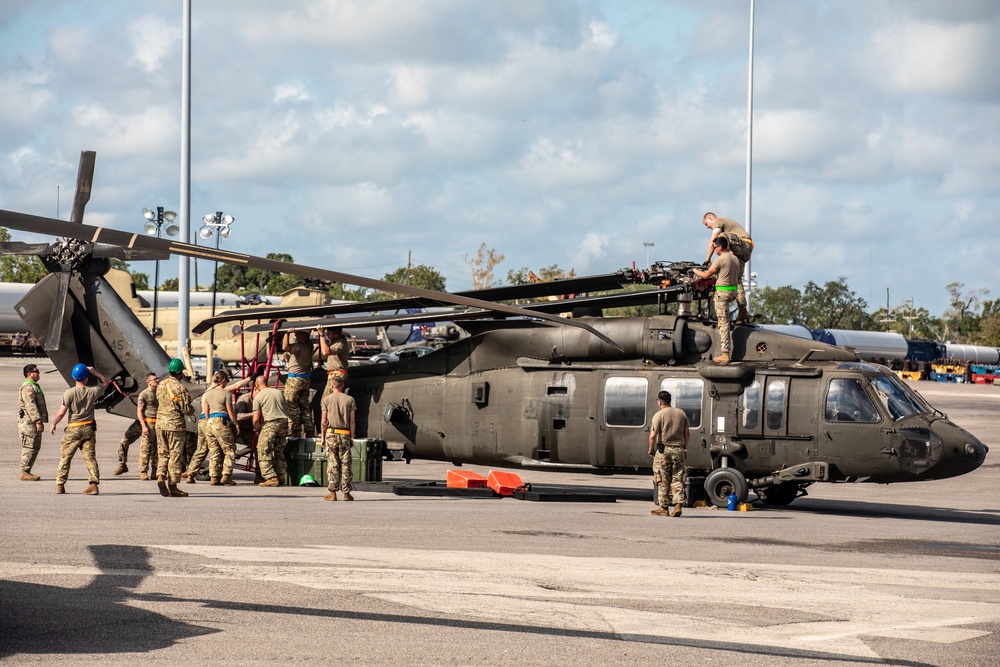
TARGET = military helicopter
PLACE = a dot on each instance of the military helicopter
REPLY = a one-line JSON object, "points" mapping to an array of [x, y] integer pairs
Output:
{"points": [[522, 393], [789, 413]]}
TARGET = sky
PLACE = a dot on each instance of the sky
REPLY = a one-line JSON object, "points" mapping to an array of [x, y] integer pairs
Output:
{"points": [[355, 135]]}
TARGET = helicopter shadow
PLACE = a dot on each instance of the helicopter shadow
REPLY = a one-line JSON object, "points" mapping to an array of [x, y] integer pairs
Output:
{"points": [[858, 508], [39, 619]]}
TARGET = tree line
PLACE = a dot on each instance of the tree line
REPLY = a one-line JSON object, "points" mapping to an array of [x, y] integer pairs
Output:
{"points": [[970, 318]]}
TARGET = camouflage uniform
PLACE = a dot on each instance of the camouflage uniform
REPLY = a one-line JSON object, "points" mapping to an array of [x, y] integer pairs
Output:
{"points": [[669, 474], [273, 434], [221, 446], [297, 386], [740, 245], [192, 463], [271, 449], [33, 410], [668, 463], [338, 460], [81, 432], [148, 448], [338, 409], [173, 403], [336, 362], [132, 433], [218, 435], [727, 268]]}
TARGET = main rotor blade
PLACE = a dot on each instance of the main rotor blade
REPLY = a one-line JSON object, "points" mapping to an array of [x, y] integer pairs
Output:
{"points": [[84, 183], [579, 285], [129, 255], [40, 225], [54, 334], [23, 248]]}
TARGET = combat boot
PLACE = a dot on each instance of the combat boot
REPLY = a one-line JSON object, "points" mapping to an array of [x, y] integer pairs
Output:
{"points": [[215, 482], [60, 488], [143, 477], [28, 477], [189, 476], [227, 480], [162, 485], [722, 358], [271, 482], [348, 496], [281, 480], [743, 317], [330, 496], [91, 490], [174, 492], [677, 510], [121, 469], [661, 511]]}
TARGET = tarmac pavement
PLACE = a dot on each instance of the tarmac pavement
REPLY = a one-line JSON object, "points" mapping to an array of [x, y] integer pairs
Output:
{"points": [[851, 574]]}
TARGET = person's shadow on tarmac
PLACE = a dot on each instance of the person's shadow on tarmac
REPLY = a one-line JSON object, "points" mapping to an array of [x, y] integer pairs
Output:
{"points": [[40, 619]]}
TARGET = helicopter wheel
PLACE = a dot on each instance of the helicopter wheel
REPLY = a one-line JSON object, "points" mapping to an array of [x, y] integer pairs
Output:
{"points": [[722, 482], [779, 494]]}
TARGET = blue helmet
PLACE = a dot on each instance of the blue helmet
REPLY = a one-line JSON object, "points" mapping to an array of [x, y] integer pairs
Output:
{"points": [[80, 372]]}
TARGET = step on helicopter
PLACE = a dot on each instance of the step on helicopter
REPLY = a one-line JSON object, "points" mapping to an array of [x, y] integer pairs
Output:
{"points": [[527, 388]]}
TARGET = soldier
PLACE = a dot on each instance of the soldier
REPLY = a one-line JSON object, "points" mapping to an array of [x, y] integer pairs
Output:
{"points": [[338, 430], [668, 440], [217, 405], [31, 424], [173, 403], [270, 418], [203, 443], [146, 408], [337, 352], [726, 267], [81, 431], [300, 356], [132, 433], [740, 244]]}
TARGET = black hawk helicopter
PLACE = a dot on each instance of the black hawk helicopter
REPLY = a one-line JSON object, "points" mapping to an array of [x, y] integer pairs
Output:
{"points": [[523, 393]]}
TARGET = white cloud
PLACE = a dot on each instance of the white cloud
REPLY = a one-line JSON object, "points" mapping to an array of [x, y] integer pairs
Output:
{"points": [[291, 91], [152, 39], [938, 58], [117, 136]]}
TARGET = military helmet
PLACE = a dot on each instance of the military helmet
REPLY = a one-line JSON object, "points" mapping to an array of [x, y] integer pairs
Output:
{"points": [[80, 372], [176, 365]]}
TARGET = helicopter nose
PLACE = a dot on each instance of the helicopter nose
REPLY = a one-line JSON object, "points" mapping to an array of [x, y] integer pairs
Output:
{"points": [[961, 452]]}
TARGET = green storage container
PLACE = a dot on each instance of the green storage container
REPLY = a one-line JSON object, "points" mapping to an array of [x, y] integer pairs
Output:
{"points": [[366, 460], [305, 456]]}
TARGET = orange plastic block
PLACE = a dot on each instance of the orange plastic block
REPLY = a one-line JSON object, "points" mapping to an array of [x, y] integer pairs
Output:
{"points": [[504, 483], [465, 479]]}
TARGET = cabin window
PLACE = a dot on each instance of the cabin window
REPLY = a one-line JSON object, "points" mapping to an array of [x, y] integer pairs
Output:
{"points": [[775, 405], [846, 401], [686, 395], [750, 418], [625, 401]]}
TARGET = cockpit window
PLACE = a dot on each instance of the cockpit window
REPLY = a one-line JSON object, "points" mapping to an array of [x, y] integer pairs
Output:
{"points": [[897, 398], [846, 401]]}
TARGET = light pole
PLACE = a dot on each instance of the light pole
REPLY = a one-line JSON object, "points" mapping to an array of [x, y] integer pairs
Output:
{"points": [[154, 222], [648, 244], [216, 224]]}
